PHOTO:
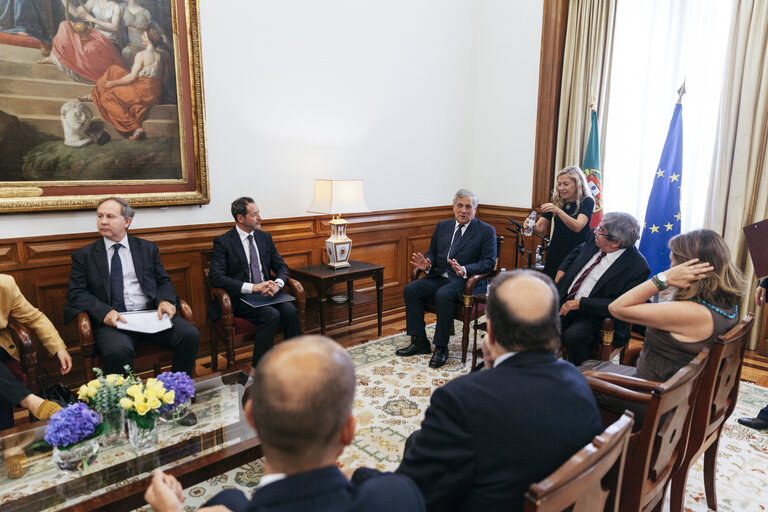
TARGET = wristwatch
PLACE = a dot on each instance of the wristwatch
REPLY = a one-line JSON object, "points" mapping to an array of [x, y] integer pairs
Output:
{"points": [[661, 276]]}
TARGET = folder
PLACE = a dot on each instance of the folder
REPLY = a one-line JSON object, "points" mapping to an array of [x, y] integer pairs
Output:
{"points": [[757, 241], [257, 300]]}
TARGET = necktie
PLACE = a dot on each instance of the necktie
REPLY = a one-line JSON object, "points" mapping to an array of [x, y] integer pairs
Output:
{"points": [[256, 276], [116, 280], [456, 240], [582, 277]]}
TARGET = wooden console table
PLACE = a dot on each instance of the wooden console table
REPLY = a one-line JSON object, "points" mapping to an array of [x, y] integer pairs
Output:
{"points": [[323, 277]]}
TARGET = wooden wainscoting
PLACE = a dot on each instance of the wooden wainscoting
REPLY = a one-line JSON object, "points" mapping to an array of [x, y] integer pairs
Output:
{"points": [[41, 264]]}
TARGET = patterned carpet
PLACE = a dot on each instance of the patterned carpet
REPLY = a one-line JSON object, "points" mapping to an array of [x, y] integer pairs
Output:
{"points": [[393, 393]]}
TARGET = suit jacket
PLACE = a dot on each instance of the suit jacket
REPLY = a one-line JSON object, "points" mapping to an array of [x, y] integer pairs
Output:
{"points": [[229, 265], [629, 270], [14, 305], [327, 490], [488, 435], [89, 288], [476, 251]]}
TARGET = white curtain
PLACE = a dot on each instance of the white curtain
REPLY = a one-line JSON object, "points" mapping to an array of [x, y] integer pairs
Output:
{"points": [[738, 193], [657, 45]]}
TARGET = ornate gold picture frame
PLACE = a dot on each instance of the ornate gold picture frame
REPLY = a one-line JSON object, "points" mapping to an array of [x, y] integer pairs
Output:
{"points": [[80, 119]]}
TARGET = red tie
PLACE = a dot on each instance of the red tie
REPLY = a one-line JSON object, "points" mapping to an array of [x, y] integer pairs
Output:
{"points": [[582, 277]]}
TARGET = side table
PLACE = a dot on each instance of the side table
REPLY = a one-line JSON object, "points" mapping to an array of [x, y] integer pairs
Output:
{"points": [[323, 277]]}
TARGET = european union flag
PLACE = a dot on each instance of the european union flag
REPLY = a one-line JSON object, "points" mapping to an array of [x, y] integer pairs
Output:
{"points": [[662, 217]]}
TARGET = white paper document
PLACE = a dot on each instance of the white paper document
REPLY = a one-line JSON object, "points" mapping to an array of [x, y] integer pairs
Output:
{"points": [[144, 321]]}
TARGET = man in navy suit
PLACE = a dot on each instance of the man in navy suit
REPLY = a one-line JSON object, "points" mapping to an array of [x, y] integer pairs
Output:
{"points": [[242, 262], [592, 276], [459, 248], [301, 406], [488, 435], [119, 273]]}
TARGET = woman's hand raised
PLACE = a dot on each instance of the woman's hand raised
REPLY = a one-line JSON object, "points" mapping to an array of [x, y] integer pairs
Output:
{"points": [[684, 274]]}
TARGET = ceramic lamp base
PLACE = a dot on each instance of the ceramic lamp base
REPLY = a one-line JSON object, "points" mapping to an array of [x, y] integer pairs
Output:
{"points": [[338, 246]]}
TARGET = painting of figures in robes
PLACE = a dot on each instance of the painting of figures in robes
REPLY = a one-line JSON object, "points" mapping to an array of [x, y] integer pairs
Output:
{"points": [[100, 97]]}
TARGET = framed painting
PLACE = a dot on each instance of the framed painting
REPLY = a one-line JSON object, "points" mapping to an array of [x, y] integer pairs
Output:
{"points": [[97, 98]]}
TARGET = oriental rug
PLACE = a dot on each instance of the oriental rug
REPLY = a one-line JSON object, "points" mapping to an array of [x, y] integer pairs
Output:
{"points": [[393, 393]]}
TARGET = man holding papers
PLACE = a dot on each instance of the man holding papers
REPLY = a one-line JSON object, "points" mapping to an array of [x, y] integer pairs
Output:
{"points": [[121, 273], [242, 263]]}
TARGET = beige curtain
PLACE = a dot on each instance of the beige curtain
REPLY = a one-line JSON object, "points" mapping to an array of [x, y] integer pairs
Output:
{"points": [[738, 192], [586, 72]]}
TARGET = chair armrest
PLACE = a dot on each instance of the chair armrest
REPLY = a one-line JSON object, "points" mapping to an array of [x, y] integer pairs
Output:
{"points": [[469, 287], [606, 331], [297, 289], [85, 333], [625, 381], [224, 301], [186, 311], [22, 339], [607, 388], [631, 355]]}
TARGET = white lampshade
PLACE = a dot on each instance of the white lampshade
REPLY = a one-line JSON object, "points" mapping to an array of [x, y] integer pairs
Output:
{"points": [[338, 196]]}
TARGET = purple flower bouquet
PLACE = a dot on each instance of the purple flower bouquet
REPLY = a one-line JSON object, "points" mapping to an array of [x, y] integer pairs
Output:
{"points": [[181, 384], [71, 425]]}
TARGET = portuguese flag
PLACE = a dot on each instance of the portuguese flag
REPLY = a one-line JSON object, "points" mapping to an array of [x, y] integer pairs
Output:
{"points": [[591, 168]]}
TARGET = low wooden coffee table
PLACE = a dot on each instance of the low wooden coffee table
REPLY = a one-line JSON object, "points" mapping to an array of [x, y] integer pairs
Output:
{"points": [[220, 441]]}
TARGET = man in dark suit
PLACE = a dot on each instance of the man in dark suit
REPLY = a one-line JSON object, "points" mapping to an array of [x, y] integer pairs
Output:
{"points": [[119, 273], [592, 276], [242, 262], [488, 435], [301, 406], [459, 248]]}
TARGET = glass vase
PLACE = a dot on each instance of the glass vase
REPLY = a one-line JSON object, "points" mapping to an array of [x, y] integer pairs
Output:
{"points": [[177, 413], [77, 458], [115, 419], [141, 438]]}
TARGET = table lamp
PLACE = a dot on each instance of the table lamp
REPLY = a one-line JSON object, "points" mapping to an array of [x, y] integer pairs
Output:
{"points": [[336, 197]]}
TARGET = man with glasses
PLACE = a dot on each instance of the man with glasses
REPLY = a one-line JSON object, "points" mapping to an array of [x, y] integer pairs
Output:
{"points": [[592, 276]]}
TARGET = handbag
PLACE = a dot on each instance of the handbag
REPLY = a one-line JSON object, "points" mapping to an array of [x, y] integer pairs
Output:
{"points": [[57, 393]]}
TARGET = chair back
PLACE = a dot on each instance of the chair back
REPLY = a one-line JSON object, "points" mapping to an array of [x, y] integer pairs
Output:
{"points": [[590, 480], [659, 446]]}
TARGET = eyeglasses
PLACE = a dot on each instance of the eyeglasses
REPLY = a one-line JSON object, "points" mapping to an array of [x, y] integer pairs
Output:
{"points": [[600, 232]]}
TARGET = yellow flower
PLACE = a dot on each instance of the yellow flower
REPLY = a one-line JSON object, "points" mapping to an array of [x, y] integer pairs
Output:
{"points": [[126, 403], [150, 393], [169, 397], [133, 390], [120, 380], [141, 408], [154, 403], [112, 379], [82, 392], [91, 391], [139, 397], [94, 384]]}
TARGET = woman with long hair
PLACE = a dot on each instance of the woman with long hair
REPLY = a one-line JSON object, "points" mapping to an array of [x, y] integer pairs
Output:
{"points": [[701, 292], [571, 208]]}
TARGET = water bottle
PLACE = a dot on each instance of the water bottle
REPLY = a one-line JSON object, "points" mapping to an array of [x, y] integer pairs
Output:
{"points": [[529, 222]]}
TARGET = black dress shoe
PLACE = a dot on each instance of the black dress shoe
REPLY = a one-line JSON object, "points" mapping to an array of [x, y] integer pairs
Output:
{"points": [[417, 346], [755, 423], [439, 357]]}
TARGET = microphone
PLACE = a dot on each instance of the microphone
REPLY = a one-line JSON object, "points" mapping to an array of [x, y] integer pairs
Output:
{"points": [[513, 221]]}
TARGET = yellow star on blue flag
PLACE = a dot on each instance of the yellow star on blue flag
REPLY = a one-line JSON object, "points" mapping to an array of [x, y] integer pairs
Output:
{"points": [[664, 201]]}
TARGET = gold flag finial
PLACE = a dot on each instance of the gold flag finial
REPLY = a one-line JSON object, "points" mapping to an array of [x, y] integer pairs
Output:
{"points": [[680, 92]]}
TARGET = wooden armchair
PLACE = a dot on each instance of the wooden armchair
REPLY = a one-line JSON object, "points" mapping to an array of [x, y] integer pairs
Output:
{"points": [[237, 331], [464, 310], [27, 364], [605, 350], [715, 402], [658, 447], [148, 355], [590, 481]]}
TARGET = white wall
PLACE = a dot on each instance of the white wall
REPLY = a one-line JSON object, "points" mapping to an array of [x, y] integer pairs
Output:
{"points": [[418, 97]]}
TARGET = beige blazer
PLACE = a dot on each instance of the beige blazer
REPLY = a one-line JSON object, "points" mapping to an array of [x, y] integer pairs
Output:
{"points": [[13, 304]]}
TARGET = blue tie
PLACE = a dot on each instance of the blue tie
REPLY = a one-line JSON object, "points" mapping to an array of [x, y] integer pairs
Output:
{"points": [[116, 280], [256, 276], [456, 240]]}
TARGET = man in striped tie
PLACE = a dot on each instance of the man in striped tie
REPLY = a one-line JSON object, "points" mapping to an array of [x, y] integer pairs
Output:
{"points": [[460, 247], [591, 276]]}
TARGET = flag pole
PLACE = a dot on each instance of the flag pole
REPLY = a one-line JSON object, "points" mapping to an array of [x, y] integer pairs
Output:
{"points": [[680, 92]]}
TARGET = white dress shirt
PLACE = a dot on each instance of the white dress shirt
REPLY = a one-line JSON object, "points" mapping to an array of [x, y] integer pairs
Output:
{"points": [[596, 273], [248, 287], [135, 299]]}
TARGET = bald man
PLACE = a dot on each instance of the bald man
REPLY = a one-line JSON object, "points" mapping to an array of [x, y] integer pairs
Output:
{"points": [[301, 406], [488, 435]]}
